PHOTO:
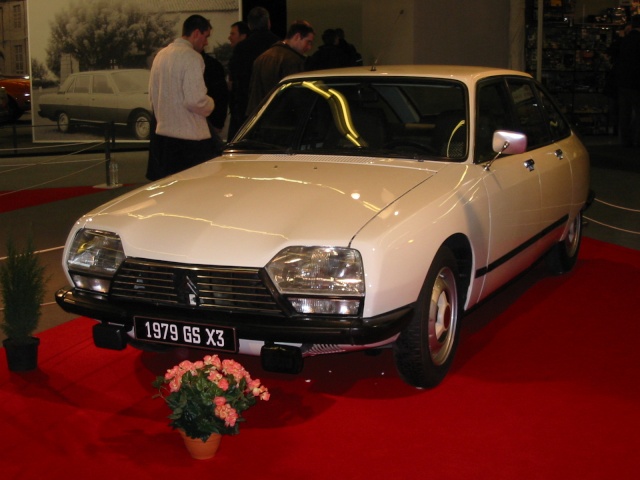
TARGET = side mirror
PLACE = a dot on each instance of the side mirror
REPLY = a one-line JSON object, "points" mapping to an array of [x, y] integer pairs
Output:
{"points": [[509, 143]]}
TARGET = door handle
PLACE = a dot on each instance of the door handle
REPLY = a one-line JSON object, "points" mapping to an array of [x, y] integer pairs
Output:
{"points": [[560, 154], [530, 164]]}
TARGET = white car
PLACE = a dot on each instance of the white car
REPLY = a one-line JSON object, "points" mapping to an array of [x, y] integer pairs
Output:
{"points": [[99, 97], [358, 209]]}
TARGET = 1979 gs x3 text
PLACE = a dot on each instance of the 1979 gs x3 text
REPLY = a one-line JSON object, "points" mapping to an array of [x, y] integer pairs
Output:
{"points": [[179, 333]]}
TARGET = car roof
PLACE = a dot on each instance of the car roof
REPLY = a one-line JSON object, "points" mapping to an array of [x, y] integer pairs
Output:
{"points": [[466, 74], [117, 70]]}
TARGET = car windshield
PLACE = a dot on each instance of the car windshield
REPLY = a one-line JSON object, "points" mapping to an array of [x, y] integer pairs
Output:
{"points": [[132, 81], [423, 118]]}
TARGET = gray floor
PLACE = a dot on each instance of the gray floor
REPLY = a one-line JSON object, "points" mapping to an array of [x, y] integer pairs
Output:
{"points": [[614, 217]]}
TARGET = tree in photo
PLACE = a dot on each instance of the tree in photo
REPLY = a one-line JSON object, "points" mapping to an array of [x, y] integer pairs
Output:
{"points": [[103, 34]]}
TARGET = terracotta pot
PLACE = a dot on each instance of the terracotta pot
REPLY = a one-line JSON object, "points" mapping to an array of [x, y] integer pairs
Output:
{"points": [[22, 357], [201, 450]]}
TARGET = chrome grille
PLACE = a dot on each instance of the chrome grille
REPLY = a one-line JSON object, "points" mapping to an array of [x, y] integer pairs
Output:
{"points": [[231, 289]]}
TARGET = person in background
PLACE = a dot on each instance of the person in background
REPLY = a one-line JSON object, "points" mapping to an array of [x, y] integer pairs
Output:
{"points": [[180, 103], [628, 83], [238, 32], [329, 54], [354, 57], [216, 83], [260, 38], [282, 59]]}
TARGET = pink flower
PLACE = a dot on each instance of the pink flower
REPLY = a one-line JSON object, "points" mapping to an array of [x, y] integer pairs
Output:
{"points": [[171, 373], [216, 362], [257, 390], [219, 401], [175, 383], [198, 365], [223, 383], [185, 365], [233, 368], [211, 360], [227, 413], [251, 384]]}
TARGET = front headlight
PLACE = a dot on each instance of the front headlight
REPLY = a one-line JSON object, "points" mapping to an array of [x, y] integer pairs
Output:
{"points": [[306, 274], [93, 259]]}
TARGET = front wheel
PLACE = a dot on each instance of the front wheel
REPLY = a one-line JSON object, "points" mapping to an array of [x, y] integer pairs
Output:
{"points": [[14, 111], [425, 349], [64, 123], [563, 255]]}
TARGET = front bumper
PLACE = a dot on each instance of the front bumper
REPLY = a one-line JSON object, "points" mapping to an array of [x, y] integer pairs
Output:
{"points": [[266, 328]]}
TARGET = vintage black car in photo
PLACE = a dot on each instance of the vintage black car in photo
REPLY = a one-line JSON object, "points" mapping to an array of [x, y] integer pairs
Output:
{"points": [[102, 96]]}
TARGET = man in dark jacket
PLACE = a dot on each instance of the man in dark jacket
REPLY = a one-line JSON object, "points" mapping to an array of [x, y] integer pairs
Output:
{"points": [[282, 59], [628, 83], [216, 83], [260, 39], [329, 54]]}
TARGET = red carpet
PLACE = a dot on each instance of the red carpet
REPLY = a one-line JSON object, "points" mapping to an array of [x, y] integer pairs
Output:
{"points": [[545, 386], [29, 198]]}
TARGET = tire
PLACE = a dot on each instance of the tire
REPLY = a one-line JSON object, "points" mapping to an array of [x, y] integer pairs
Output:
{"points": [[14, 111], [425, 349], [64, 123], [563, 256], [141, 125]]}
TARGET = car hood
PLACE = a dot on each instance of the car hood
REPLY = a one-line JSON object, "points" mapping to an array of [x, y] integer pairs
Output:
{"points": [[16, 84], [243, 210]]}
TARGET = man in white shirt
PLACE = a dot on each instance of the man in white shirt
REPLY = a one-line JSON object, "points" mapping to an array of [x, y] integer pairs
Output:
{"points": [[181, 137]]}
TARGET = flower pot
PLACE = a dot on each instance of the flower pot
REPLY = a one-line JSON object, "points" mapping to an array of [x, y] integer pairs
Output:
{"points": [[21, 356], [201, 450]]}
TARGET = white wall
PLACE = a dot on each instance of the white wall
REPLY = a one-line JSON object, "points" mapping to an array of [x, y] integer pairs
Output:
{"points": [[389, 35], [427, 31], [463, 32]]}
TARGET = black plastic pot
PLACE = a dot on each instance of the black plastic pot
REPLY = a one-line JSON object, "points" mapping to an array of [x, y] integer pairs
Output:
{"points": [[21, 356]]}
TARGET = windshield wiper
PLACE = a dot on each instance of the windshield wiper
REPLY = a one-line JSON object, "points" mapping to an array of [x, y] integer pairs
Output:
{"points": [[249, 144]]}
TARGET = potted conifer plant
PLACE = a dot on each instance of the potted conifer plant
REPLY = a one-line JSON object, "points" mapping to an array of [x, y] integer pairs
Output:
{"points": [[22, 288]]}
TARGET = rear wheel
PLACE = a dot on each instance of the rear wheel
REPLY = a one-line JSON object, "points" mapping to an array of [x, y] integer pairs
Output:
{"points": [[64, 123], [141, 125], [563, 255], [425, 349]]}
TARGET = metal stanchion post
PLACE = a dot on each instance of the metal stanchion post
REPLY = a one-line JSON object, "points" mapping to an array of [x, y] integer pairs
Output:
{"points": [[110, 163]]}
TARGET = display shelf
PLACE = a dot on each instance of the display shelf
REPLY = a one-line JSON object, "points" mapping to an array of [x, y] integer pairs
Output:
{"points": [[575, 68]]}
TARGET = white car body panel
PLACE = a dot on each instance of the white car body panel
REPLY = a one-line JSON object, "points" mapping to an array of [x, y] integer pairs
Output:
{"points": [[208, 205], [481, 217]]}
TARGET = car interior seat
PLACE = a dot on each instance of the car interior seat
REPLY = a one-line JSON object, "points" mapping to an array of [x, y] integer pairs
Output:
{"points": [[450, 134]]}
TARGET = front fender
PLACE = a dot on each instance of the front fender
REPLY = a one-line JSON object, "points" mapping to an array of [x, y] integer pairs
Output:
{"points": [[399, 245]]}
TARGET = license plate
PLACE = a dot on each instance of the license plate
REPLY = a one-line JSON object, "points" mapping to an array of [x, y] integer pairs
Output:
{"points": [[185, 334]]}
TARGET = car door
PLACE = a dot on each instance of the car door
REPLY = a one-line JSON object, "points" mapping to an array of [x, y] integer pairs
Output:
{"points": [[512, 186], [77, 98], [556, 175], [103, 99]]}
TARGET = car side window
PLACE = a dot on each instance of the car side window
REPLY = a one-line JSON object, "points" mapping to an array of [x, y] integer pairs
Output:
{"points": [[493, 113], [529, 113], [558, 125], [82, 84], [101, 84], [67, 86]]}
